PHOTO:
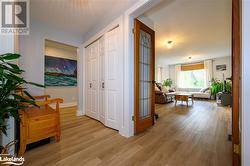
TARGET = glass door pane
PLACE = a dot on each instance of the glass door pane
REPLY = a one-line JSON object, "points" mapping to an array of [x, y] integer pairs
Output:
{"points": [[145, 75]]}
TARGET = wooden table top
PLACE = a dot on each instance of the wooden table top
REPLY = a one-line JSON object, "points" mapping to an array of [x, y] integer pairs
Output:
{"points": [[183, 94]]}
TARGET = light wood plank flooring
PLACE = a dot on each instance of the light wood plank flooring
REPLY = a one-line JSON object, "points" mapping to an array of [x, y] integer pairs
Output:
{"points": [[194, 136]]}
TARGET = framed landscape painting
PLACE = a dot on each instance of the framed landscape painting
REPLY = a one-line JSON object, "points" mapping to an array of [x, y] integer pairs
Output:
{"points": [[221, 67], [60, 71]]}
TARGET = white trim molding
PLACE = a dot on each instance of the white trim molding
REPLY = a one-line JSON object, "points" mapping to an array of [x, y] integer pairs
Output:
{"points": [[65, 105], [129, 16], [245, 116], [71, 104]]}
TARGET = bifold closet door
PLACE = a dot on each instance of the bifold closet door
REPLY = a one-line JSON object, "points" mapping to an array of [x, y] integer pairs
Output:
{"points": [[102, 80], [92, 81], [113, 78]]}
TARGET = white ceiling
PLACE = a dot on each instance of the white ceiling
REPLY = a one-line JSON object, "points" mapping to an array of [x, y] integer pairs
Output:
{"points": [[78, 16], [198, 28]]}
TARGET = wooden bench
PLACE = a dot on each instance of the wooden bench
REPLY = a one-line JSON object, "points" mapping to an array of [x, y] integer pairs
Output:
{"points": [[38, 123]]}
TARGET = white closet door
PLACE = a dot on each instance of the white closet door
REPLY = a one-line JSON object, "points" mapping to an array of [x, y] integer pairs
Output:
{"points": [[93, 81], [89, 81], [102, 80], [113, 79]]}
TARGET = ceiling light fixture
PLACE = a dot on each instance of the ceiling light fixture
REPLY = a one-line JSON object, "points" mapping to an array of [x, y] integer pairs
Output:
{"points": [[189, 58], [169, 44]]}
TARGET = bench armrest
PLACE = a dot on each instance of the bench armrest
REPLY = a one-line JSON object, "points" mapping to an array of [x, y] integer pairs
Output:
{"points": [[42, 97]]}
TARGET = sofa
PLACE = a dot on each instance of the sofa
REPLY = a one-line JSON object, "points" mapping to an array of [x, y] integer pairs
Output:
{"points": [[204, 93], [163, 95]]}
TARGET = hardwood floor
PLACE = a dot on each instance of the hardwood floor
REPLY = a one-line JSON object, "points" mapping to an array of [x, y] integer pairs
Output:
{"points": [[194, 136]]}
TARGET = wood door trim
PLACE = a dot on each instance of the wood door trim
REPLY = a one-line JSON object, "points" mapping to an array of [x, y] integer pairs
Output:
{"points": [[236, 71], [136, 75]]}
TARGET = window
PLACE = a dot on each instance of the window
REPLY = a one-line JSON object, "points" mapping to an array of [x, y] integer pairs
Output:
{"points": [[192, 79]]}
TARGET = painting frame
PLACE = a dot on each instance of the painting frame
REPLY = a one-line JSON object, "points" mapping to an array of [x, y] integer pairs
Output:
{"points": [[222, 67], [60, 72]]}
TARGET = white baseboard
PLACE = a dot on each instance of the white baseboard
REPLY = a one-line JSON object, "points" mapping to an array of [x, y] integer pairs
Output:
{"points": [[79, 113], [71, 104], [65, 105]]}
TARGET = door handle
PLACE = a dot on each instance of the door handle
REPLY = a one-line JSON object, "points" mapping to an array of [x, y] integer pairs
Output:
{"points": [[103, 85]]}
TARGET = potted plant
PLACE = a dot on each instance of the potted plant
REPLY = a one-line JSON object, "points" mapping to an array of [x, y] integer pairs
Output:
{"points": [[168, 83], [10, 102], [228, 86], [216, 87]]}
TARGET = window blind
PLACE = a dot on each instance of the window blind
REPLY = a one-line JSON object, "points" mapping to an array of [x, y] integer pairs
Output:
{"points": [[192, 67]]}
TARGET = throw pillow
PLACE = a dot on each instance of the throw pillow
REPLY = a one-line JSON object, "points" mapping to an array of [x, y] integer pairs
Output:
{"points": [[171, 90], [158, 86], [165, 89], [203, 90]]}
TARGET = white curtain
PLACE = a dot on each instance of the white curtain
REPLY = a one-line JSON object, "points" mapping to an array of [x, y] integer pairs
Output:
{"points": [[177, 75], [208, 67], [159, 74]]}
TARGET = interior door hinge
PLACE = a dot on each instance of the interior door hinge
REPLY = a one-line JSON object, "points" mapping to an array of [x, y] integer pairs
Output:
{"points": [[133, 118], [133, 30], [237, 149]]}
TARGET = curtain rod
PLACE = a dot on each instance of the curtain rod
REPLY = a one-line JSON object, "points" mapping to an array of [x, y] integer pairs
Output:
{"points": [[101, 36]]}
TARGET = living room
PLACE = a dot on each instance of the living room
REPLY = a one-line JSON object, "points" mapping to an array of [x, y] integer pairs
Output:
{"points": [[193, 70], [204, 79], [195, 59]]}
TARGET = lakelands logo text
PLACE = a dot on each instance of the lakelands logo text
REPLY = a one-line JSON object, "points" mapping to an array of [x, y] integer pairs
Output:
{"points": [[6, 159], [14, 17]]}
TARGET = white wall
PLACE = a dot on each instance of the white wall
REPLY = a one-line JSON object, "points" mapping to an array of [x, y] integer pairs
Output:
{"points": [[146, 21], [245, 113], [68, 94], [135, 11], [172, 74], [7, 46], [221, 61], [162, 73], [32, 51]]}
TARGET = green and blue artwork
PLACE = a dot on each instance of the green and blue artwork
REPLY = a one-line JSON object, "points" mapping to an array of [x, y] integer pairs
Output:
{"points": [[60, 71]]}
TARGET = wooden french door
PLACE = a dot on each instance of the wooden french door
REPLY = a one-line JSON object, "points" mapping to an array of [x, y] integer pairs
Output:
{"points": [[144, 66]]}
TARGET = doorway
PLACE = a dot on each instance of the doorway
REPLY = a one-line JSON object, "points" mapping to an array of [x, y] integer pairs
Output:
{"points": [[60, 72], [235, 78]]}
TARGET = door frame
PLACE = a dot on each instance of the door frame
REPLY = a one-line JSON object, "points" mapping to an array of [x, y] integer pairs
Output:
{"points": [[141, 7], [236, 82]]}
